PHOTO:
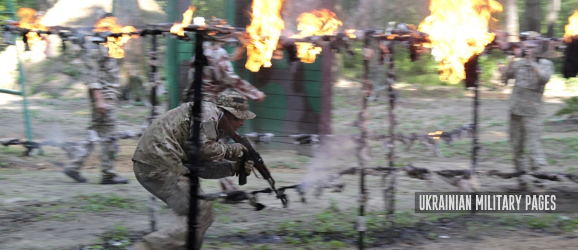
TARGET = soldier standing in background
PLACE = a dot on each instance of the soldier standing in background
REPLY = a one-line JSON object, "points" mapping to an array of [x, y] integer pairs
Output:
{"points": [[219, 76], [531, 73], [101, 76], [159, 156]]}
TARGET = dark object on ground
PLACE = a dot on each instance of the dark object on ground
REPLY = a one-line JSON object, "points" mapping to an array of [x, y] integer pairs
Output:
{"points": [[464, 173], [505, 175], [114, 180], [74, 175], [418, 173], [547, 176]]}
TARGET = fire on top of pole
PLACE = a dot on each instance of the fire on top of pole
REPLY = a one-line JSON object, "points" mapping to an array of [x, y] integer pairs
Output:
{"points": [[458, 30]]}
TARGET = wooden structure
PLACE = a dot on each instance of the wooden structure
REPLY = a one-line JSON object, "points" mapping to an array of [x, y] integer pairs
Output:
{"points": [[179, 54], [297, 102]]}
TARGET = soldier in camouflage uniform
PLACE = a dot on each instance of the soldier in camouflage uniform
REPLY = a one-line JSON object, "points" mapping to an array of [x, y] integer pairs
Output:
{"points": [[219, 76], [159, 156], [531, 74], [101, 76]]}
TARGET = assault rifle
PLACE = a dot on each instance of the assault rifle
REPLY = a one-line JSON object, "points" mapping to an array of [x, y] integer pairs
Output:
{"points": [[543, 46], [254, 156]]}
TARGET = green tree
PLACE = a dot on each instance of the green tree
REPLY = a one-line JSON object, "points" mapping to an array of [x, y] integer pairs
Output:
{"points": [[209, 8]]}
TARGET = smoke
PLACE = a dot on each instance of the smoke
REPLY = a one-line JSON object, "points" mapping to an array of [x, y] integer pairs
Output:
{"points": [[84, 12], [57, 134], [331, 157], [74, 12]]}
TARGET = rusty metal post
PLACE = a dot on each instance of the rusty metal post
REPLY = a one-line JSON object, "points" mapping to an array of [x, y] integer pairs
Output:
{"points": [[391, 145], [362, 148], [194, 152]]}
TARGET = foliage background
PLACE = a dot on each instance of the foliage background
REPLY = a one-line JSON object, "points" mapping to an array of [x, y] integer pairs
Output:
{"points": [[376, 14]]}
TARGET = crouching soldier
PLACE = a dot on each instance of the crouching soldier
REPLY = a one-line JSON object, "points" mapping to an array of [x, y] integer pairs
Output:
{"points": [[159, 156]]}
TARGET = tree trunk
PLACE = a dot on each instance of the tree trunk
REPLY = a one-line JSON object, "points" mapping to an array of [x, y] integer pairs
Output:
{"points": [[533, 15], [361, 18], [553, 8], [512, 22]]}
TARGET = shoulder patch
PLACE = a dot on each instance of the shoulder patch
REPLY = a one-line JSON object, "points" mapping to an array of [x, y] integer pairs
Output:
{"points": [[210, 129]]}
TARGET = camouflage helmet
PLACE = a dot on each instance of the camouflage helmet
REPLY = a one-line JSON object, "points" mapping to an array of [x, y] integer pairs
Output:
{"points": [[236, 104]]}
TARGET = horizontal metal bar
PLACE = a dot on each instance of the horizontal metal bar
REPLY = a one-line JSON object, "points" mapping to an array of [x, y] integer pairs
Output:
{"points": [[9, 91]]}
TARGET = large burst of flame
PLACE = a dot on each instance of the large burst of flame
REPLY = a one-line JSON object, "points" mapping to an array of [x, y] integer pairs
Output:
{"points": [[572, 26], [315, 23], [32, 22], [179, 28], [264, 31], [458, 29], [114, 44]]}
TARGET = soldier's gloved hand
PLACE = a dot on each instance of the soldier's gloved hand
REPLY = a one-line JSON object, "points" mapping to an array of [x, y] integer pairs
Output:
{"points": [[236, 151], [248, 167]]}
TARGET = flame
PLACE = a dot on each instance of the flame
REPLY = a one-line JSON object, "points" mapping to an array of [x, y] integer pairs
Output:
{"points": [[458, 29], [436, 135], [264, 31], [572, 27], [315, 23], [32, 22], [113, 43], [179, 28], [351, 33]]}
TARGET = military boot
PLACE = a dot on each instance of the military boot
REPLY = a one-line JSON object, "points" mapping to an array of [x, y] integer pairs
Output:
{"points": [[74, 175], [115, 179]]}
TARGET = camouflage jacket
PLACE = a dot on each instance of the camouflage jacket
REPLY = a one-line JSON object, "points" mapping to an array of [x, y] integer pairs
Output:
{"points": [[219, 76], [163, 142], [101, 71], [526, 98]]}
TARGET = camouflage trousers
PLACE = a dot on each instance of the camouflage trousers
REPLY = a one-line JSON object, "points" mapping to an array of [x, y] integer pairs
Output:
{"points": [[173, 188], [104, 125], [527, 130]]}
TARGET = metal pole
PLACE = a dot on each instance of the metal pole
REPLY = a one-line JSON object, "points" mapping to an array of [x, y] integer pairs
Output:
{"points": [[153, 200], [154, 76], [391, 156], [362, 148], [154, 212], [194, 152], [11, 9], [171, 55], [10, 92], [22, 83], [21, 80], [475, 146], [475, 128]]}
